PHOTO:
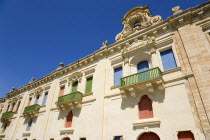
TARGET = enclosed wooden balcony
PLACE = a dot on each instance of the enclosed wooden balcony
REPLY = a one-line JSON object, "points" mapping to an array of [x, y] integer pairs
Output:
{"points": [[70, 101], [31, 111], [150, 79], [6, 117]]}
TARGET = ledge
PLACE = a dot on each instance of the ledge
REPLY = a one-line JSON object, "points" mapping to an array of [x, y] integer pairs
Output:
{"points": [[87, 94], [67, 130], [27, 133], [146, 122], [114, 87], [172, 70], [2, 135]]}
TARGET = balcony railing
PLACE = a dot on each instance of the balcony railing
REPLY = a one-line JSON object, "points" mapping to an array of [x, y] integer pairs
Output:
{"points": [[70, 100], [32, 108], [7, 115], [141, 77]]}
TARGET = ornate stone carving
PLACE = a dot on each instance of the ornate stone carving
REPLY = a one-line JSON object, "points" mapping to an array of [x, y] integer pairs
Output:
{"points": [[176, 10], [137, 44], [136, 19], [77, 76]]}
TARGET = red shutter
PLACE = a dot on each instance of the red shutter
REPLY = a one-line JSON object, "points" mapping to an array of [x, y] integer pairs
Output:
{"points": [[186, 135], [61, 91], [149, 136], [29, 102], [145, 108], [69, 119]]}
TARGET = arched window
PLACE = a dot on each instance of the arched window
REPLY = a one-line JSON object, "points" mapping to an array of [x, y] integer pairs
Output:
{"points": [[142, 66], [69, 118], [74, 87], [186, 135], [66, 139], [137, 24], [145, 108]]}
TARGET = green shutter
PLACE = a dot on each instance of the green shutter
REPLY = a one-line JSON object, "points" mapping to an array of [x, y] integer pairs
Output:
{"points": [[89, 85], [74, 87]]}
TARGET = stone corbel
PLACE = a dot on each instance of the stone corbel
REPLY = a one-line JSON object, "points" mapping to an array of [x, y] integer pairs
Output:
{"points": [[160, 84], [150, 87], [133, 92], [181, 21], [124, 94]]}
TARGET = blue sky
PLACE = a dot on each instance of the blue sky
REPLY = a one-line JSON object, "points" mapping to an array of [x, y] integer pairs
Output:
{"points": [[35, 35]]}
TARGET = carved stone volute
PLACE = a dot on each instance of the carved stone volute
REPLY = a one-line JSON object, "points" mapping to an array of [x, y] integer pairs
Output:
{"points": [[136, 19]]}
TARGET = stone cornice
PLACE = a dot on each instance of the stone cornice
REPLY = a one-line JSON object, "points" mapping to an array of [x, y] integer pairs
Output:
{"points": [[170, 24]]}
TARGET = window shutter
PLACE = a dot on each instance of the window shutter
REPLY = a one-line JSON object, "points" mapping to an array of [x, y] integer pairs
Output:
{"points": [[89, 85], [142, 66], [45, 99], [168, 60], [29, 102], [61, 91], [117, 75], [74, 87], [69, 119], [145, 108]]}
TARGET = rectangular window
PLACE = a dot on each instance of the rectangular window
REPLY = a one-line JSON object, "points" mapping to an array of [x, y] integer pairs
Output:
{"points": [[61, 91], [82, 138], [117, 75], [168, 60], [18, 106], [118, 138], [89, 83], [29, 101], [8, 108], [37, 99], [45, 98], [29, 125]]}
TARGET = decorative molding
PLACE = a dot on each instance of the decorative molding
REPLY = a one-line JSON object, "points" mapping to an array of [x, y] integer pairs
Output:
{"points": [[146, 122], [26, 134], [140, 15], [77, 76], [66, 131], [137, 44]]}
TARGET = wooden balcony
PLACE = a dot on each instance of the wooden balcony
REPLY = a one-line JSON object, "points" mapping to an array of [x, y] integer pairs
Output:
{"points": [[31, 111], [150, 79], [70, 101], [6, 117]]}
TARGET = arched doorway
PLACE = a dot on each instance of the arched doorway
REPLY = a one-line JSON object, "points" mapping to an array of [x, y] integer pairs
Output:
{"points": [[149, 136], [66, 139], [186, 135], [142, 66]]}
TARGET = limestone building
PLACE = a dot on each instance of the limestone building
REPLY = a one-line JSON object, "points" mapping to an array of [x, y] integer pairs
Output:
{"points": [[153, 83]]}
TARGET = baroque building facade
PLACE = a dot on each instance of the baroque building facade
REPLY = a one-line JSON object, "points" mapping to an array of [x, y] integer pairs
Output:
{"points": [[153, 83]]}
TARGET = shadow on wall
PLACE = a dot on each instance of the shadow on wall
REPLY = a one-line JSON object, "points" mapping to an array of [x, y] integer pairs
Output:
{"points": [[131, 102], [62, 114]]}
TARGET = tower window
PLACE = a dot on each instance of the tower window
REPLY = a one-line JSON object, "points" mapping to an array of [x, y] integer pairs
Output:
{"points": [[137, 24]]}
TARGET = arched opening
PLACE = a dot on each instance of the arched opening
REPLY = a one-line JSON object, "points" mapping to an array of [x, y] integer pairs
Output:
{"points": [[136, 24], [145, 108], [69, 118], [186, 135], [149, 136], [142, 66], [66, 139], [74, 87]]}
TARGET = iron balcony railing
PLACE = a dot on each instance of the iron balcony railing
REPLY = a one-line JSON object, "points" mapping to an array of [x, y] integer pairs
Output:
{"points": [[7, 115], [141, 77], [75, 96], [32, 108]]}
